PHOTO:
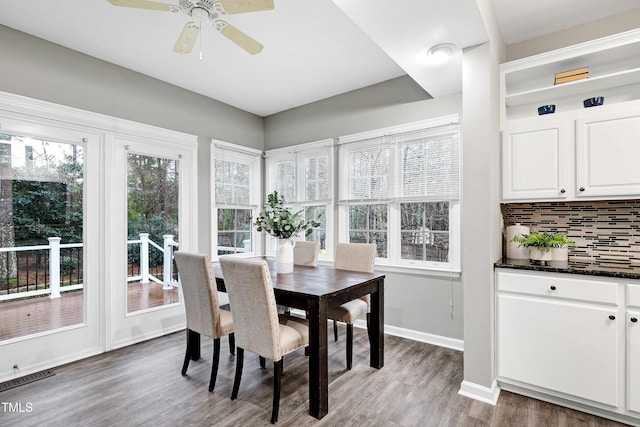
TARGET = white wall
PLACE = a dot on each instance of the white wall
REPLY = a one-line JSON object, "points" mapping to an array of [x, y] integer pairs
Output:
{"points": [[481, 220]]}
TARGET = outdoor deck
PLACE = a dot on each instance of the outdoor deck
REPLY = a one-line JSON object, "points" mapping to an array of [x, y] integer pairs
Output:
{"points": [[35, 315]]}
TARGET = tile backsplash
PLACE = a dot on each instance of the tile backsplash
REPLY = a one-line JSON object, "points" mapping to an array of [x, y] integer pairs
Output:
{"points": [[606, 233]]}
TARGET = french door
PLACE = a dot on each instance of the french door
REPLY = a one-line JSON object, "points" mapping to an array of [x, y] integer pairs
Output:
{"points": [[152, 197], [82, 255], [50, 217]]}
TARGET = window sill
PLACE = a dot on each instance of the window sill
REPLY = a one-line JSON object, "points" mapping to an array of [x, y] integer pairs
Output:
{"points": [[418, 271], [405, 269]]}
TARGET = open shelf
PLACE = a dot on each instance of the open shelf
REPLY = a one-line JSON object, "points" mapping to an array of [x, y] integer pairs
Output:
{"points": [[613, 63]]}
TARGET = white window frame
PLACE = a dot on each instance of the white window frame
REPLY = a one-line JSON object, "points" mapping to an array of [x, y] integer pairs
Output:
{"points": [[221, 150], [298, 154], [394, 256]]}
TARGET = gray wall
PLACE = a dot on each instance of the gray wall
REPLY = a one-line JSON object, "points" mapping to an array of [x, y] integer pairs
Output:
{"points": [[396, 101], [430, 305], [39, 69], [581, 33]]}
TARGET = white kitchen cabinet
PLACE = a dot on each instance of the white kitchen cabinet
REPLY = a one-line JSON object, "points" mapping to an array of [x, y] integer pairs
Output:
{"points": [[602, 148], [535, 159], [591, 154], [553, 337], [608, 153], [633, 346]]}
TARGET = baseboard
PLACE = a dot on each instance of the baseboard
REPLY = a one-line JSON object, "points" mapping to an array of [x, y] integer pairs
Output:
{"points": [[439, 340], [478, 392]]}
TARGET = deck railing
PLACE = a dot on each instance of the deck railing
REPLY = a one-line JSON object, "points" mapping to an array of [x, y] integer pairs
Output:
{"points": [[29, 271]]}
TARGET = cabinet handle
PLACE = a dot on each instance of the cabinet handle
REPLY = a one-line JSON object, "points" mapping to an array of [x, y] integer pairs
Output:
{"points": [[612, 317], [562, 190], [581, 188], [634, 319], [553, 287]]}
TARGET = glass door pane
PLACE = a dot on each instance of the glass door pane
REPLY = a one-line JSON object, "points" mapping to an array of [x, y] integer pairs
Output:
{"points": [[41, 236], [152, 231]]}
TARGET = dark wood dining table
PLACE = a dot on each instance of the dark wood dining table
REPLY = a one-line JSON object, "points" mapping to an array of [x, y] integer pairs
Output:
{"points": [[316, 290]]}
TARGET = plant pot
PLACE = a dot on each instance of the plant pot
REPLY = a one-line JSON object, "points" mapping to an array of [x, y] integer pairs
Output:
{"points": [[540, 254], [284, 256], [560, 254]]}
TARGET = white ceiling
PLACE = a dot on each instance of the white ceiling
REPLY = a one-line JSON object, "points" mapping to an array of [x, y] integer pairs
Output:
{"points": [[314, 49]]}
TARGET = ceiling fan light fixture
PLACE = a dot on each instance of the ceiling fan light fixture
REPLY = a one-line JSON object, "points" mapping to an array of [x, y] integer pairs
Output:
{"points": [[199, 14], [440, 52]]}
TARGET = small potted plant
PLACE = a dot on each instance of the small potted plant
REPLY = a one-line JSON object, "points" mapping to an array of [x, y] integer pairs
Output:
{"points": [[560, 247], [545, 246], [539, 244]]}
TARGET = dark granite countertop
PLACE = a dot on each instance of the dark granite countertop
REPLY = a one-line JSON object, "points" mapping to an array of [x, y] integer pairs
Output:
{"points": [[621, 271]]}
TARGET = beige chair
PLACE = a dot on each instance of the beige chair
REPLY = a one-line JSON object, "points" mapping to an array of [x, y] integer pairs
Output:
{"points": [[306, 253], [258, 327], [202, 305], [354, 257]]}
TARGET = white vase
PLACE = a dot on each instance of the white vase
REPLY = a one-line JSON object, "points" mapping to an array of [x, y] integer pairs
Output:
{"points": [[539, 254], [284, 256], [560, 254]]}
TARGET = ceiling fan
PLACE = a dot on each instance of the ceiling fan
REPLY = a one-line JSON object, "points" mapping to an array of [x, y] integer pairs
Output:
{"points": [[206, 10]]}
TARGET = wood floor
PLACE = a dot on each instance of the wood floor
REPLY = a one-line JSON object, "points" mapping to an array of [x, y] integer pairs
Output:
{"points": [[141, 385], [34, 315]]}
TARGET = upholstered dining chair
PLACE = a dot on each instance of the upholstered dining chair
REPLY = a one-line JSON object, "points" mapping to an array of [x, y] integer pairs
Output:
{"points": [[354, 257], [304, 253], [258, 327], [202, 305]]}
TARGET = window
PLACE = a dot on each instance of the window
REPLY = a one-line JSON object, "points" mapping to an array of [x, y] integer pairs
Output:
{"points": [[399, 189], [236, 174], [302, 174]]}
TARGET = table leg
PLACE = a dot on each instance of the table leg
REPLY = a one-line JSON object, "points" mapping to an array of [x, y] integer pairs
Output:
{"points": [[318, 361], [377, 327]]}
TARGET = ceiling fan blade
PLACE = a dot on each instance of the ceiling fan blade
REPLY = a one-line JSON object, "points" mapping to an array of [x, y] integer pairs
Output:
{"points": [[142, 4], [244, 6], [238, 37], [187, 38]]}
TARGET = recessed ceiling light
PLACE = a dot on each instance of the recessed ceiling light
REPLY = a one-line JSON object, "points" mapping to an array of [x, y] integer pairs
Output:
{"points": [[441, 52]]}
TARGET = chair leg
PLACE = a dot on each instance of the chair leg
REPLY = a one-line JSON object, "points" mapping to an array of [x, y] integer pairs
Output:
{"points": [[214, 365], [185, 365], [335, 330], [232, 343], [349, 345], [236, 380], [187, 357], [263, 362], [277, 381]]}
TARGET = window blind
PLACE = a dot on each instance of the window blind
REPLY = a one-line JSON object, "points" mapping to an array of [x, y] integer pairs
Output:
{"points": [[302, 173], [421, 164], [232, 176]]}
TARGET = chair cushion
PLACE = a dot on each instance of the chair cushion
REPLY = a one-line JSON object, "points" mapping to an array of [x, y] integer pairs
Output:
{"points": [[226, 322], [348, 312], [223, 298], [290, 339]]}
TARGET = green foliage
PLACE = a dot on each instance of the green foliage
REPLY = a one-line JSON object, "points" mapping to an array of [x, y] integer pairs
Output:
{"points": [[157, 227], [543, 240], [280, 222], [68, 265]]}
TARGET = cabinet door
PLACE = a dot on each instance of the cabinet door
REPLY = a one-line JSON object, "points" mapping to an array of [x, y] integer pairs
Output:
{"points": [[633, 360], [534, 160], [607, 155], [561, 346]]}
